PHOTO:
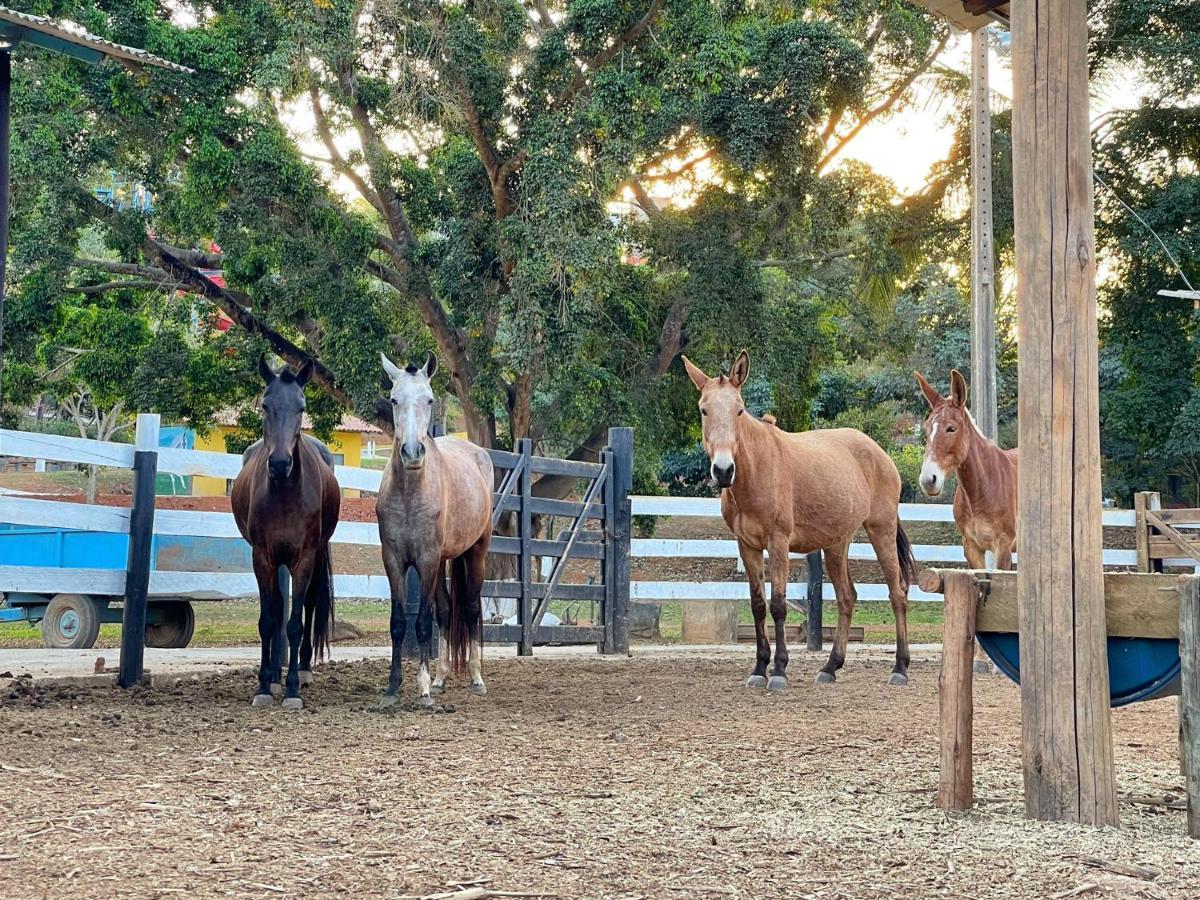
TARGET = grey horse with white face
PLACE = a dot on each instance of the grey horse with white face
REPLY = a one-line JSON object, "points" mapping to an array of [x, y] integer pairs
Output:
{"points": [[434, 510]]}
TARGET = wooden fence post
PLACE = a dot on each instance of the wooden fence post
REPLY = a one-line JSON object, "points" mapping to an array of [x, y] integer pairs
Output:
{"points": [[1144, 501], [525, 559], [137, 566], [620, 442], [1189, 697], [816, 586], [956, 691], [1065, 717]]}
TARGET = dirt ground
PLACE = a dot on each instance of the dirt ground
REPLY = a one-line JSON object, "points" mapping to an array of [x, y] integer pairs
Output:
{"points": [[580, 777]]}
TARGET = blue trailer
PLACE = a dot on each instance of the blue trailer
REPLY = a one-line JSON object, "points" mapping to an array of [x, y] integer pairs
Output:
{"points": [[72, 620]]}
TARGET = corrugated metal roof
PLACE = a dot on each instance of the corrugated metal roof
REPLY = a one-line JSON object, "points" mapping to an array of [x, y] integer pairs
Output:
{"points": [[72, 39]]}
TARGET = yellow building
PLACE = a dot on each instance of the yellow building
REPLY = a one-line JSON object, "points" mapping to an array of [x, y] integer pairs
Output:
{"points": [[349, 440]]}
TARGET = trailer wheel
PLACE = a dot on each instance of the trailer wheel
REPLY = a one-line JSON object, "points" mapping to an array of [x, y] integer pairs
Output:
{"points": [[72, 622], [176, 622]]}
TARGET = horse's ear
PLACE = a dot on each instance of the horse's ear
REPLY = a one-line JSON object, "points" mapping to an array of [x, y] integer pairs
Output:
{"points": [[958, 388], [393, 371], [699, 379], [932, 397], [741, 369], [264, 369], [305, 373], [430, 365]]}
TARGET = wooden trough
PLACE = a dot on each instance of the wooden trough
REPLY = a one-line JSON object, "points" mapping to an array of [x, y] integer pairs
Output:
{"points": [[1153, 623]]}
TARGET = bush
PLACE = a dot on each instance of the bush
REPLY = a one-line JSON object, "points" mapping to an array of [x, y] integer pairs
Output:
{"points": [[908, 462]]}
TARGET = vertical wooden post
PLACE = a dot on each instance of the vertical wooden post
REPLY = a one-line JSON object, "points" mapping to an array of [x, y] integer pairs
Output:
{"points": [[983, 292], [1142, 501], [1189, 697], [1068, 755], [141, 537], [956, 692], [525, 559], [816, 585], [620, 440]]}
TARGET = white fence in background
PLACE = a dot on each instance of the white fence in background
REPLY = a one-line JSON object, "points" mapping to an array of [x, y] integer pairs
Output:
{"points": [[218, 585]]}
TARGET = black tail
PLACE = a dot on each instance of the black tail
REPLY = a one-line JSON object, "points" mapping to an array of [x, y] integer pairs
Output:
{"points": [[321, 590], [908, 562], [459, 637]]}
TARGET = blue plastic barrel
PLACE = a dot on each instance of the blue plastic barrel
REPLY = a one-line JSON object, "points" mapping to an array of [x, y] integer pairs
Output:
{"points": [[1138, 668]]}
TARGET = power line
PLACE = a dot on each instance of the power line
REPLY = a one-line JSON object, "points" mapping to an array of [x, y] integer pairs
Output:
{"points": [[1133, 212]]}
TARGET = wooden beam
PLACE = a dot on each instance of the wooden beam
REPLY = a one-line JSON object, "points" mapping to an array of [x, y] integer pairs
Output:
{"points": [[955, 693], [983, 303], [1189, 698], [1068, 754]]}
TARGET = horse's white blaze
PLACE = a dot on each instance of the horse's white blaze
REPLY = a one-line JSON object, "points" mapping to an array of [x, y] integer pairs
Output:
{"points": [[443, 661], [932, 475], [473, 662]]}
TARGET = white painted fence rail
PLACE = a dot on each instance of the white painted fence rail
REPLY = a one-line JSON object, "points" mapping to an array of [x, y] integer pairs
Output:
{"points": [[200, 585]]}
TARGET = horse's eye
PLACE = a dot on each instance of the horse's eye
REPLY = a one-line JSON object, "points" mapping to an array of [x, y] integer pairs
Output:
{"points": [[394, 401], [704, 412], [740, 411], [950, 429], [431, 401]]}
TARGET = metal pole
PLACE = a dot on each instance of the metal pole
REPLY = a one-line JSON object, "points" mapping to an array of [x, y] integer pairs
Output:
{"points": [[983, 303], [137, 567], [5, 90]]}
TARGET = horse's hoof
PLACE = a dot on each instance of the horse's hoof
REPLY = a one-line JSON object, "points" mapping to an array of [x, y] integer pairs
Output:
{"points": [[388, 700], [262, 701], [982, 667], [293, 703], [436, 688], [479, 690], [824, 677], [277, 691], [777, 683], [305, 678], [756, 681], [425, 702], [898, 678]]}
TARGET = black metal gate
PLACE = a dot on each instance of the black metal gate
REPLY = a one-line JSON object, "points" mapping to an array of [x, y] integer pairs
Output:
{"points": [[605, 488]]}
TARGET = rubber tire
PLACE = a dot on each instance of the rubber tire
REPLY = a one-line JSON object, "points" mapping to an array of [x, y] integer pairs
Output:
{"points": [[83, 626], [176, 625]]}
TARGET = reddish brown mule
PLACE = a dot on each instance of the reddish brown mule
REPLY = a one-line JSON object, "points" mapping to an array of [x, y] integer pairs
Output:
{"points": [[799, 493], [985, 503]]}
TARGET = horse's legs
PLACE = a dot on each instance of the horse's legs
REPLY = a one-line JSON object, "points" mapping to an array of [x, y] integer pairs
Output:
{"points": [[753, 561], [270, 607], [442, 611], [883, 539], [302, 572], [428, 587], [306, 642], [837, 565], [474, 561], [397, 573], [778, 554]]}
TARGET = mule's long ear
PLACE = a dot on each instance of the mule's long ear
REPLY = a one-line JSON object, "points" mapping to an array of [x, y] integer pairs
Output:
{"points": [[699, 379], [393, 371], [305, 373], [932, 397], [264, 369], [430, 366], [958, 388], [741, 369]]}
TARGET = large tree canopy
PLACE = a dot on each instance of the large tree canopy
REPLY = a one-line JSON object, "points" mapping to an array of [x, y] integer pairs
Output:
{"points": [[409, 175]]}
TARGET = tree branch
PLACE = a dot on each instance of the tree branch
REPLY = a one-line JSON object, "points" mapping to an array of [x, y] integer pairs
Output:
{"points": [[605, 56], [888, 102], [335, 158]]}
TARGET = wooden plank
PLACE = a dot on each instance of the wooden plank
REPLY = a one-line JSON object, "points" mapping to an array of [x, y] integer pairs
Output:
{"points": [[955, 693], [1163, 548], [1066, 722], [1170, 535], [511, 546], [545, 465], [983, 302], [1189, 698], [503, 459], [1177, 516], [61, 448], [57, 514], [545, 634], [545, 506]]}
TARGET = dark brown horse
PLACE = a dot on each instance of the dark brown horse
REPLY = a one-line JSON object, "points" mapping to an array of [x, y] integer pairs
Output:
{"points": [[435, 511], [985, 503], [799, 493], [285, 502]]}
